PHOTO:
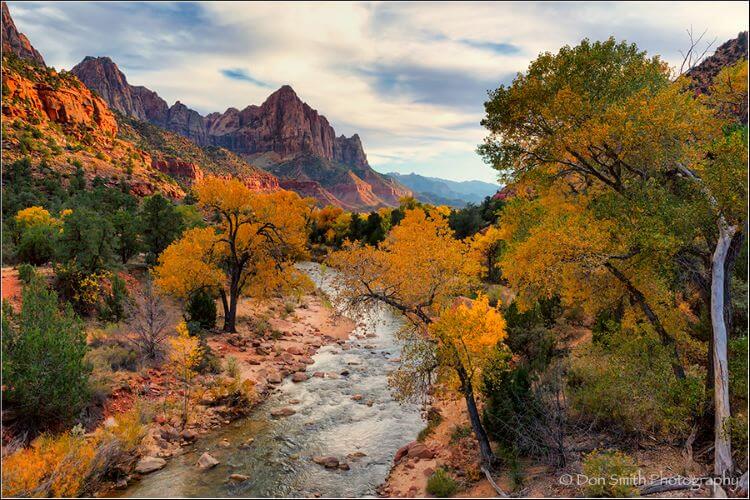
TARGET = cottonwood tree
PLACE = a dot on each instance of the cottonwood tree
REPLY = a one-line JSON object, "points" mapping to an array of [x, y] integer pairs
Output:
{"points": [[605, 127], [249, 249], [419, 270]]}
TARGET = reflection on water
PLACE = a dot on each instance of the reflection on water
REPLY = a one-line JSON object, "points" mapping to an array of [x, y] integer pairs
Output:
{"points": [[328, 422]]}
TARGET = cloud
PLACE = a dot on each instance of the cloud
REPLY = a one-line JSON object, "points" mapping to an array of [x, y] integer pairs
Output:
{"points": [[410, 78], [243, 75]]}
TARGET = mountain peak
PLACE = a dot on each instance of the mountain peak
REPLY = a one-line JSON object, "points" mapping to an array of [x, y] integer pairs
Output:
{"points": [[16, 42]]}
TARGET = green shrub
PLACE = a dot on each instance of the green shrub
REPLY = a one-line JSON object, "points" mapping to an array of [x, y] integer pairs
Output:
{"points": [[113, 304], [610, 474], [232, 368], [201, 309], [289, 307], [459, 432], [616, 386], [26, 273], [433, 420], [114, 358], [37, 245], [43, 359], [82, 290], [441, 484]]}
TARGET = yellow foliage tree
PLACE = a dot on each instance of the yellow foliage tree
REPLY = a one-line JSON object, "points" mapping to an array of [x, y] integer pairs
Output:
{"points": [[420, 270], [185, 355], [608, 147], [486, 246], [34, 216], [249, 250]]}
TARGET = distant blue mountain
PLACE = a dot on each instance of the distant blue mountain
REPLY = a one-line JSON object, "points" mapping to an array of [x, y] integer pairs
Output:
{"points": [[445, 192]]}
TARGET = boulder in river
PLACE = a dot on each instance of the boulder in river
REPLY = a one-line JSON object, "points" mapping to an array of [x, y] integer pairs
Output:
{"points": [[206, 462], [282, 412], [147, 465], [299, 377], [238, 478], [327, 462]]}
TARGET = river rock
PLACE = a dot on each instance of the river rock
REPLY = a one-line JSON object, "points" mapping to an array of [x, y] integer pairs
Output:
{"points": [[274, 378], [238, 478], [299, 377], [206, 462], [147, 465], [224, 443], [401, 453], [246, 444], [319, 374], [296, 350], [344, 466], [189, 435], [327, 462], [419, 450], [356, 455], [282, 412], [357, 397], [307, 360]]}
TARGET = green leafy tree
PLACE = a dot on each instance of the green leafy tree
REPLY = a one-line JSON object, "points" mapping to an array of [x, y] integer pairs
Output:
{"points": [[37, 244], [162, 224], [43, 348], [87, 240], [126, 227]]}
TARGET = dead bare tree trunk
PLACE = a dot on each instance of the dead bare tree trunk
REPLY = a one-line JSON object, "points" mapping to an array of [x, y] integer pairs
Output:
{"points": [[722, 444]]}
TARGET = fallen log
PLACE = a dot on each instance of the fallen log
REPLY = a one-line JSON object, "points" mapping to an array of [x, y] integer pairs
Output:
{"points": [[493, 483]]}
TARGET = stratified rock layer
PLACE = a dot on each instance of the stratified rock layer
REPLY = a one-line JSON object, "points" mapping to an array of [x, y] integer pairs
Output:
{"points": [[283, 135]]}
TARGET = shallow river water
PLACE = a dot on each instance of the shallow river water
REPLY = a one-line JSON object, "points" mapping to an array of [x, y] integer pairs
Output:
{"points": [[327, 422]]}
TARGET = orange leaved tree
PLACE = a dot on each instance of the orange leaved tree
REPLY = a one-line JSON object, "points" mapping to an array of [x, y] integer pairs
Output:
{"points": [[249, 248], [420, 270]]}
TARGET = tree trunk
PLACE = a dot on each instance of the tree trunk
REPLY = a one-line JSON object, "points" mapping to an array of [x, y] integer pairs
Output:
{"points": [[722, 444], [488, 458], [666, 339], [230, 317], [735, 247], [225, 308]]}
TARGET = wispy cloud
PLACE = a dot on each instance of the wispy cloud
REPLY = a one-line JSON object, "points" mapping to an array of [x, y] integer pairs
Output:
{"points": [[244, 76], [410, 78]]}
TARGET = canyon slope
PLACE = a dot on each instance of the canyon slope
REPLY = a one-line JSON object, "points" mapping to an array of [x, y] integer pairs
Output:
{"points": [[283, 135], [54, 120]]}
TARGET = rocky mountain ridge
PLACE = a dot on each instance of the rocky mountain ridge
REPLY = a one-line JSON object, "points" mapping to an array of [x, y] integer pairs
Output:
{"points": [[280, 131], [16, 42]]}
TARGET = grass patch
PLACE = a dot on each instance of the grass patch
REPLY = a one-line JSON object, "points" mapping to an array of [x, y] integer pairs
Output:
{"points": [[433, 420], [441, 484]]}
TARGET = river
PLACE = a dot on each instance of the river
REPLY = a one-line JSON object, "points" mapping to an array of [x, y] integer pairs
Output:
{"points": [[328, 422]]}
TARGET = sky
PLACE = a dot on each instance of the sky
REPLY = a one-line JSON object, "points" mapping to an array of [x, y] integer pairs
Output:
{"points": [[409, 78]]}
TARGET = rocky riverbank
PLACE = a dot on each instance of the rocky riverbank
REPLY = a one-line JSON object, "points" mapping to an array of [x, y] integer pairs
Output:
{"points": [[274, 341]]}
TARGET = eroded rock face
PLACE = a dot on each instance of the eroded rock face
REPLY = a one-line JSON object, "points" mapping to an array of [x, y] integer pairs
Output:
{"points": [[66, 104], [103, 76], [16, 42], [173, 167], [727, 54]]}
